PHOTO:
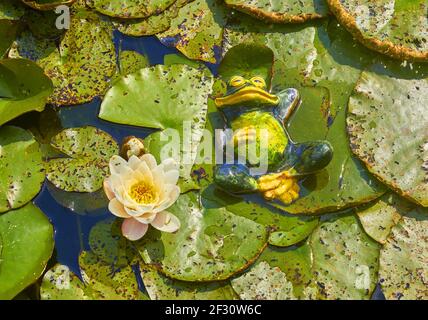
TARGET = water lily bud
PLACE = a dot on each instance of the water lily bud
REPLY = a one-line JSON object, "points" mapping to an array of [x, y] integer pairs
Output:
{"points": [[132, 146]]}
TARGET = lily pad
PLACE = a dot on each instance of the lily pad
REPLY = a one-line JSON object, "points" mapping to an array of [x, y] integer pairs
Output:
{"points": [[262, 282], [282, 11], [23, 231], [286, 229], [380, 217], [397, 28], [47, 5], [151, 25], [131, 61], [21, 174], [130, 8], [345, 259], [200, 36], [11, 9], [160, 287], [104, 283], [163, 97], [88, 152], [387, 124], [404, 258], [23, 88], [8, 32], [212, 244], [79, 72]]}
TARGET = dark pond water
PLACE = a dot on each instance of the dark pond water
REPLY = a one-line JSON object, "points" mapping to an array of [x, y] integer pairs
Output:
{"points": [[72, 228]]}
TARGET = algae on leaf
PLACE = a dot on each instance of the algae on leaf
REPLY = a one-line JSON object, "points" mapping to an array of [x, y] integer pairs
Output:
{"points": [[88, 152], [130, 8]]}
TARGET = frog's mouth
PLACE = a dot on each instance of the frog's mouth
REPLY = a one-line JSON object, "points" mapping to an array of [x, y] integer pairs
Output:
{"points": [[248, 94]]}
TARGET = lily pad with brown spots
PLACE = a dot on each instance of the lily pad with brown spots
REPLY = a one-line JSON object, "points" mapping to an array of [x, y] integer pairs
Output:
{"points": [[21, 174], [387, 126], [397, 28], [130, 8], [211, 244], [85, 165], [295, 11], [403, 269]]}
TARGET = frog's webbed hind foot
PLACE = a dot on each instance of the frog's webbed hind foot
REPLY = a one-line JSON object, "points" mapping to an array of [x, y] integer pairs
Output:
{"points": [[310, 157], [282, 186], [235, 179]]}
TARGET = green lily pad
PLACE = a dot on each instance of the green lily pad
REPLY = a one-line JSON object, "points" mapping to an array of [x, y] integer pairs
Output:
{"points": [[79, 72], [282, 11], [387, 124], [59, 283], [200, 37], [151, 25], [47, 5], [163, 97], [286, 229], [262, 282], [108, 244], [105, 283], [8, 32], [22, 174], [11, 9], [403, 259], [23, 231], [88, 152], [396, 28], [160, 287], [345, 259], [23, 88], [130, 8], [379, 218], [212, 244]]}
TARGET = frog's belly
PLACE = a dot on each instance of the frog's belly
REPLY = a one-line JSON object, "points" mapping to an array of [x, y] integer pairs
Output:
{"points": [[249, 130]]}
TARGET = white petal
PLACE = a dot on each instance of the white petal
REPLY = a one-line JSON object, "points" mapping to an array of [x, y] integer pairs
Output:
{"points": [[150, 160], [145, 171], [133, 230], [134, 162], [170, 198], [118, 165], [170, 164], [117, 209], [171, 177], [166, 222], [158, 177], [146, 218], [108, 190], [139, 211]]}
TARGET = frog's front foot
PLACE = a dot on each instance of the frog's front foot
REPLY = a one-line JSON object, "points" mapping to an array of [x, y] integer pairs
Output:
{"points": [[282, 186]]}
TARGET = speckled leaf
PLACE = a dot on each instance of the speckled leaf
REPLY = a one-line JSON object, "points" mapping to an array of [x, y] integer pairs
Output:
{"points": [[286, 229], [47, 5], [23, 88], [59, 283], [345, 259], [79, 72], [295, 11], [11, 9], [345, 182], [150, 25], [108, 244], [132, 61], [23, 231], [262, 282], [130, 8], [21, 168], [104, 283], [88, 152], [398, 28], [378, 218], [387, 124], [404, 258], [212, 244], [200, 36], [296, 263], [160, 287], [162, 97]]}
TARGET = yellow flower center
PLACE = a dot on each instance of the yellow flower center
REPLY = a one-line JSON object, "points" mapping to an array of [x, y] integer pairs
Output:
{"points": [[143, 193]]}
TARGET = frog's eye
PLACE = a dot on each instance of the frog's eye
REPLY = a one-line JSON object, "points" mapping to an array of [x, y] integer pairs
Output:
{"points": [[258, 82], [237, 81]]}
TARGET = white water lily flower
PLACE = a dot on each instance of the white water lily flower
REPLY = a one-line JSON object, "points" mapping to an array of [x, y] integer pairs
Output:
{"points": [[140, 191]]}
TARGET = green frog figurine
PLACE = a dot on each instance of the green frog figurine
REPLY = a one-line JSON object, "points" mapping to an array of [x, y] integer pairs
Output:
{"points": [[249, 109]]}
